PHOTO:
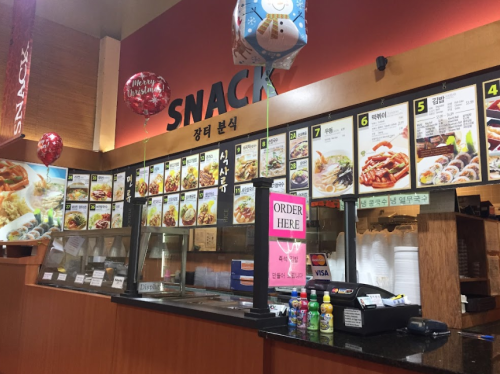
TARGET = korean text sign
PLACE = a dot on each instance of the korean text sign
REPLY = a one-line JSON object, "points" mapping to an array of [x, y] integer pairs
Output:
{"points": [[287, 216], [287, 263]]}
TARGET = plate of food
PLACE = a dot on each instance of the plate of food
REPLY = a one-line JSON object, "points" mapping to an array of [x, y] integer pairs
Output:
{"points": [[299, 179], [209, 174], [188, 215], [154, 217], [273, 163], [172, 181], [244, 210], [156, 186], [205, 214], [77, 192], [190, 181], [245, 170], [99, 221], [141, 187], [300, 150], [74, 220], [45, 195], [101, 192], [170, 217], [117, 221], [332, 173]]}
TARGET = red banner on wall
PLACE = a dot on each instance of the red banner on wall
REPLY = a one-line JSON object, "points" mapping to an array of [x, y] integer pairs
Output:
{"points": [[15, 92]]}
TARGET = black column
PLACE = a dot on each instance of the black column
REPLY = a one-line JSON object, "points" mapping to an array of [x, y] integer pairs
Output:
{"points": [[261, 250], [135, 239], [350, 238]]}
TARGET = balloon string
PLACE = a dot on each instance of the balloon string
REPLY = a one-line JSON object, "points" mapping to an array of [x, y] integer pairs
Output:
{"points": [[48, 178], [267, 122], [146, 139]]}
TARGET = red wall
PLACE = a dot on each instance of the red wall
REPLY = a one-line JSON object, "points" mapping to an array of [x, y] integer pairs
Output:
{"points": [[190, 45]]}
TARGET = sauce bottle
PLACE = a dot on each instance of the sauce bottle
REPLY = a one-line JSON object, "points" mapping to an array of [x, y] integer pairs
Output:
{"points": [[302, 312], [313, 314], [292, 310], [326, 320]]}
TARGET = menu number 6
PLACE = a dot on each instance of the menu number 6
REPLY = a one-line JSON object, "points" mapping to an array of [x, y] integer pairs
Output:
{"points": [[492, 89], [420, 106]]}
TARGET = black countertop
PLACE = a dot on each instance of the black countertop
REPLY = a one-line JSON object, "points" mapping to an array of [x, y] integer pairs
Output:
{"points": [[447, 355]]}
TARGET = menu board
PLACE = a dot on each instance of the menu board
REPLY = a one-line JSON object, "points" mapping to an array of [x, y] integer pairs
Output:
{"points": [[491, 90], [154, 211], [299, 174], [170, 210], [383, 150], [187, 208], [246, 161], [101, 187], [207, 206], [117, 215], [156, 179], [118, 186], [141, 182], [279, 185], [299, 143], [172, 175], [305, 194], [75, 216], [447, 139], [332, 159], [189, 178], [273, 156], [209, 168], [99, 216], [244, 204], [78, 187]]}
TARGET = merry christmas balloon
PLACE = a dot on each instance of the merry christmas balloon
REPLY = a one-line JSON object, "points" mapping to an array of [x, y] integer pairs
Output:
{"points": [[146, 93], [269, 32], [50, 148]]}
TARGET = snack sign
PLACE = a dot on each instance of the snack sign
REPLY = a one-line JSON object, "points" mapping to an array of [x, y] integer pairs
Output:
{"points": [[287, 215]]}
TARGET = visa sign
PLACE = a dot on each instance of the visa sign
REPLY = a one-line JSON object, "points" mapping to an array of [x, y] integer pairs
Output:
{"points": [[320, 268]]}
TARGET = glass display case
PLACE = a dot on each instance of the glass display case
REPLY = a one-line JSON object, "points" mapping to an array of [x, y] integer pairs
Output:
{"points": [[92, 261]]}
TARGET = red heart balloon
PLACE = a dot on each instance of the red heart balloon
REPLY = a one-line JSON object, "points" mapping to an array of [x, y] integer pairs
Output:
{"points": [[49, 148], [146, 93]]}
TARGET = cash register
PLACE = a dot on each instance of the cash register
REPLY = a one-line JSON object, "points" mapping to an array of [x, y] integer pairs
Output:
{"points": [[350, 316]]}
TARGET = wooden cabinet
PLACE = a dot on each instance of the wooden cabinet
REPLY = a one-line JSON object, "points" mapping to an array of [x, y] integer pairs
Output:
{"points": [[441, 237]]}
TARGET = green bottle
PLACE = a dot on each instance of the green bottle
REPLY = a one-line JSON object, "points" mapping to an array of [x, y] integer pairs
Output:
{"points": [[313, 313]]}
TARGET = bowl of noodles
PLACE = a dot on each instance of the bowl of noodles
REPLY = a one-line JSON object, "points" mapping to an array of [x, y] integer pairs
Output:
{"points": [[332, 173]]}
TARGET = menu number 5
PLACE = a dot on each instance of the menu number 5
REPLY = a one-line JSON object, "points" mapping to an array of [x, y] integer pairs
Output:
{"points": [[492, 89], [421, 106]]}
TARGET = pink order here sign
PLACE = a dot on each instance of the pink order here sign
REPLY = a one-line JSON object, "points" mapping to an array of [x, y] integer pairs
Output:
{"points": [[287, 216], [287, 263]]}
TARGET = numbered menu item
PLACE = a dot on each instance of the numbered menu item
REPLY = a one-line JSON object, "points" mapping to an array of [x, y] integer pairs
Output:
{"points": [[190, 172], [273, 156], [187, 209], [209, 168], [78, 187], [299, 143], [170, 210], [101, 187], [299, 174], [207, 206], [246, 161], [332, 158], [156, 179], [99, 216], [75, 217], [141, 182], [383, 148], [172, 175], [154, 211], [492, 115], [117, 215], [447, 142], [279, 185], [305, 194], [118, 186], [244, 204]]}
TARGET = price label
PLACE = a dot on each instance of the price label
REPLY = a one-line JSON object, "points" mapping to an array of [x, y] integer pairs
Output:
{"points": [[79, 279], [47, 276], [410, 199], [118, 282], [98, 274], [62, 277], [73, 245], [96, 282], [149, 287]]}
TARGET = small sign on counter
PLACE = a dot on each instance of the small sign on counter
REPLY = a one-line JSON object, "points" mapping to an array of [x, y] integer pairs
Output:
{"points": [[118, 282], [319, 265], [96, 282], [62, 277], [80, 278], [287, 263], [47, 276]]}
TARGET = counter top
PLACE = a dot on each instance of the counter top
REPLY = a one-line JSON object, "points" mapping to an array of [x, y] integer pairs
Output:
{"points": [[207, 312], [447, 355]]}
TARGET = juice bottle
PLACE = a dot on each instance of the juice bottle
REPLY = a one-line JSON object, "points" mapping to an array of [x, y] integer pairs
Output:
{"points": [[302, 312], [326, 320], [292, 310], [313, 314]]}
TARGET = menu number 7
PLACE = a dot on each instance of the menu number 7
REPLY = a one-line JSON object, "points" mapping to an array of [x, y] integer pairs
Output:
{"points": [[492, 89], [316, 132], [420, 106]]}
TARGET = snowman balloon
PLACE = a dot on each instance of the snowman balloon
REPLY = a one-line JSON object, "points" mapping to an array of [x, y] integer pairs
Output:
{"points": [[268, 32]]}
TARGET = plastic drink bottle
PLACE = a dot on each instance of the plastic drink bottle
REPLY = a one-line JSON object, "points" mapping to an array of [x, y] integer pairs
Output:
{"points": [[292, 310], [326, 320], [302, 312], [313, 314]]}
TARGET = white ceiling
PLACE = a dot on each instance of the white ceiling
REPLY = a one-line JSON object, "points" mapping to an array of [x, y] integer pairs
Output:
{"points": [[99, 18]]}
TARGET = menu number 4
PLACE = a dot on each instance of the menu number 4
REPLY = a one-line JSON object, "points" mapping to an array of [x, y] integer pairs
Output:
{"points": [[492, 89]]}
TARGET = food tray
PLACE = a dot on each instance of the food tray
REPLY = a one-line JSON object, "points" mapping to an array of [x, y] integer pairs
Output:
{"points": [[493, 110], [479, 303]]}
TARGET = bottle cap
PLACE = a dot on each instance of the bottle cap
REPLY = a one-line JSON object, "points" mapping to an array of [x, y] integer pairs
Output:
{"points": [[294, 292], [326, 297], [303, 293], [313, 292]]}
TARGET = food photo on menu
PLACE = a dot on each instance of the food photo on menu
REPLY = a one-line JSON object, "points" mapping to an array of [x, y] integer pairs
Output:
{"points": [[299, 174], [99, 216], [119, 186], [492, 128], [117, 215], [78, 187], [447, 143], [187, 210], [154, 211], [299, 143], [207, 206], [170, 210], [172, 175], [75, 216], [246, 161], [383, 146], [209, 168], [101, 187], [273, 156], [244, 204], [141, 182], [332, 158], [190, 172], [156, 179]]}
